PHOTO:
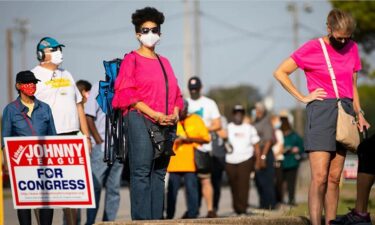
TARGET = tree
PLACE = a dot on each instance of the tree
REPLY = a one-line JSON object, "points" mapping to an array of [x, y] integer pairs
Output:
{"points": [[364, 14], [227, 97]]}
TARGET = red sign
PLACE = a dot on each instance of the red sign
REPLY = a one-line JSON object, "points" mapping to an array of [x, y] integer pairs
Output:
{"points": [[50, 172]]}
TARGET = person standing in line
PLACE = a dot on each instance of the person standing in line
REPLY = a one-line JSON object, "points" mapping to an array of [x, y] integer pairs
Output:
{"points": [[293, 150], [191, 133], [57, 88], [240, 162], [84, 88], [27, 116], [141, 90], [265, 173], [208, 110], [326, 156], [278, 149], [219, 150], [365, 180], [103, 175]]}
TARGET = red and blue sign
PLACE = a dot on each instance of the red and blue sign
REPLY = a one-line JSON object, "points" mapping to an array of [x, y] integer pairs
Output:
{"points": [[50, 172]]}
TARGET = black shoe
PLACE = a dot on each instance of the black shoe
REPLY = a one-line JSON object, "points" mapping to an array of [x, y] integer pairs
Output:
{"points": [[211, 214], [352, 218]]}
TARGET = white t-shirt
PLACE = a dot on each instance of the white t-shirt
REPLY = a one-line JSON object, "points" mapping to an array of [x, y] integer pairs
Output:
{"points": [[242, 138], [207, 109], [277, 147], [93, 109], [58, 89]]}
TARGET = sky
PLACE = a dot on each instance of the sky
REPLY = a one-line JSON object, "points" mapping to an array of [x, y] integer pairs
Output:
{"points": [[242, 42]]}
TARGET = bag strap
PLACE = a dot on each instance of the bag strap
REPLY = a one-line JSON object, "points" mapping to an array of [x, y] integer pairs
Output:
{"points": [[26, 118], [330, 69], [183, 127], [166, 84]]}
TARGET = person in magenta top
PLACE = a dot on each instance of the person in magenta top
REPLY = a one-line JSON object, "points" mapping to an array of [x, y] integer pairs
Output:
{"points": [[147, 91], [326, 156]]}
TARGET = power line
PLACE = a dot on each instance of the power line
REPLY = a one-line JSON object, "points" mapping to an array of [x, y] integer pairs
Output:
{"points": [[241, 30], [94, 13]]}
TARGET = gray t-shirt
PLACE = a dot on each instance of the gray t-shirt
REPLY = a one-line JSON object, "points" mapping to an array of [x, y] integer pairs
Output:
{"points": [[264, 129]]}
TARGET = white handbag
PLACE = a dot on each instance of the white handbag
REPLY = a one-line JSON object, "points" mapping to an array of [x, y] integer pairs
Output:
{"points": [[346, 131]]}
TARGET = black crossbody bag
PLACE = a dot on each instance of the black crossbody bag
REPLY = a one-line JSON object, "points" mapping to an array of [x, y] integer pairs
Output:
{"points": [[162, 137]]}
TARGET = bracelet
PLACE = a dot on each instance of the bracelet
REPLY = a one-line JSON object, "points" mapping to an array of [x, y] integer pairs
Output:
{"points": [[361, 112]]}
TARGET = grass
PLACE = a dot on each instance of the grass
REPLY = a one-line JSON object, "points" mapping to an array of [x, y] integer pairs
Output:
{"points": [[347, 200]]}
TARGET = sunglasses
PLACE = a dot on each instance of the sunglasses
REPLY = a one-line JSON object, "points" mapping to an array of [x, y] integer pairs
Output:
{"points": [[146, 30], [342, 39], [54, 49]]}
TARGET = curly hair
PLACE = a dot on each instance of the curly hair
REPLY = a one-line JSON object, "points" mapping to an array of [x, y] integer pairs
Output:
{"points": [[140, 16]]}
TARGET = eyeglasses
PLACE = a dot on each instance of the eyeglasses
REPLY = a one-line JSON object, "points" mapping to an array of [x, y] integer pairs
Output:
{"points": [[146, 30]]}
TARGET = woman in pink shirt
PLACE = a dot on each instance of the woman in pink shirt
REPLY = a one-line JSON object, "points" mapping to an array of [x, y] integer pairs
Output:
{"points": [[147, 91], [326, 156]]}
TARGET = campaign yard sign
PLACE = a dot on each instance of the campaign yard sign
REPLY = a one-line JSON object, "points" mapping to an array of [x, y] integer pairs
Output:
{"points": [[51, 171]]}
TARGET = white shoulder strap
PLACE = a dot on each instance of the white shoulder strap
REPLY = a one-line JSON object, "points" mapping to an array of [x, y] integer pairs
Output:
{"points": [[330, 69]]}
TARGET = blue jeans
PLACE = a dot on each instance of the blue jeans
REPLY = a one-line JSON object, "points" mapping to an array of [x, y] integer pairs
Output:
{"points": [[111, 175], [191, 188], [264, 181], [147, 175]]}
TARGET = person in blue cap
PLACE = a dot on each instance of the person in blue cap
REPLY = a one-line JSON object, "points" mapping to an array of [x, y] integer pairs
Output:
{"points": [[27, 116], [57, 88]]}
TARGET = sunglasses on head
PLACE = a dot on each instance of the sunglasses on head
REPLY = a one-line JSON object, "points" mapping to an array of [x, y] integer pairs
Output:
{"points": [[146, 30]]}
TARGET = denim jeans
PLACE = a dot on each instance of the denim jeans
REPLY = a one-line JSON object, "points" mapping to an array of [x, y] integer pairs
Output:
{"points": [[111, 175], [147, 175], [264, 181], [191, 188]]}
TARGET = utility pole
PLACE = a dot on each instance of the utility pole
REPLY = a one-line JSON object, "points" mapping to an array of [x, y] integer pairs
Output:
{"points": [[187, 45], [9, 46], [22, 28], [197, 38], [293, 9]]}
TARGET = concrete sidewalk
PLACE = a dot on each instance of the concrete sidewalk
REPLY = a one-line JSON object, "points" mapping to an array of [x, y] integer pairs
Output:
{"points": [[247, 220], [225, 209]]}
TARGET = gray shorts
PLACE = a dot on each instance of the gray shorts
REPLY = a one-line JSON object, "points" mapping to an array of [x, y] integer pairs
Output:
{"points": [[320, 129]]}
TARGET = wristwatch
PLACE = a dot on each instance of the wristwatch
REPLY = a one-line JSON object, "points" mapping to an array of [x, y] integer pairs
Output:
{"points": [[361, 112], [263, 157]]}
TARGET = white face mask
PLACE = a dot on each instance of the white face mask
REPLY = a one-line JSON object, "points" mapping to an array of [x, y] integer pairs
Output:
{"points": [[56, 57], [150, 39]]}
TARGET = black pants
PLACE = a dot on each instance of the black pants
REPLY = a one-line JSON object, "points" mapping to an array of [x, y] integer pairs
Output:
{"points": [[218, 164], [239, 181], [264, 180], [278, 182], [45, 216], [290, 177]]}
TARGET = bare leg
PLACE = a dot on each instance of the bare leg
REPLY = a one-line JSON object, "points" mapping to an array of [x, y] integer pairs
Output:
{"points": [[332, 194], [364, 183], [319, 164], [207, 192]]}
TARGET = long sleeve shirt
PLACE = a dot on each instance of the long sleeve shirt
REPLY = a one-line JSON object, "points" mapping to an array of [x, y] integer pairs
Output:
{"points": [[16, 122], [142, 79]]}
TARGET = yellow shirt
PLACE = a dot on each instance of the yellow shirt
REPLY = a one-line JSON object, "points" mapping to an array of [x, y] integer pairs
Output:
{"points": [[30, 106], [183, 161]]}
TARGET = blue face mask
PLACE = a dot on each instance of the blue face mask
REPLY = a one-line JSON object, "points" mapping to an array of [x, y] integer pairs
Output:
{"points": [[277, 125]]}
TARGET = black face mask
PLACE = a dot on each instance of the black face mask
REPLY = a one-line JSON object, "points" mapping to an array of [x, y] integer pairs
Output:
{"points": [[338, 45], [195, 94]]}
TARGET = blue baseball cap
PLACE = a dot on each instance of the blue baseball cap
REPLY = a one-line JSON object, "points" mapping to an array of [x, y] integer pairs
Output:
{"points": [[48, 42]]}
